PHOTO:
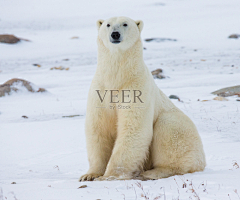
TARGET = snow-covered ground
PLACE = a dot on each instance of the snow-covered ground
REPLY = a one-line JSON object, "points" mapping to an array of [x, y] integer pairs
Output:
{"points": [[46, 153]]}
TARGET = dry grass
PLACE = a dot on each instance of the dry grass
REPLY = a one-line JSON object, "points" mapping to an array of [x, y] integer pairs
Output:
{"points": [[146, 195]]}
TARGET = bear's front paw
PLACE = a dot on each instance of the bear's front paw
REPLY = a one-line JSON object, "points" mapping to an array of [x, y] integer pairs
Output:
{"points": [[89, 177]]}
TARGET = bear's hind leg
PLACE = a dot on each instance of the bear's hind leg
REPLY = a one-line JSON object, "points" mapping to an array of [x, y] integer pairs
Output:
{"points": [[176, 147], [156, 173]]}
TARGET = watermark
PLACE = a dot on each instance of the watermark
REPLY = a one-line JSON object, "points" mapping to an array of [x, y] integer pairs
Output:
{"points": [[119, 98]]}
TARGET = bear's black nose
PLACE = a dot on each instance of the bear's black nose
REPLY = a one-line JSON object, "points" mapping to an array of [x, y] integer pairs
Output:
{"points": [[115, 35]]}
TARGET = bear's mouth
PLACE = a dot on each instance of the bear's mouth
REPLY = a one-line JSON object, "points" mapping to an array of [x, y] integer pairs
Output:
{"points": [[116, 42]]}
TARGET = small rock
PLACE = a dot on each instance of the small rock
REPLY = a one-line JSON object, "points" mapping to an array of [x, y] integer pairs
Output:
{"points": [[70, 116], [173, 97], [83, 186], [160, 39], [66, 59], [234, 36], [37, 65], [158, 74], [9, 39], [157, 71], [238, 100], [220, 99], [13, 183], [75, 37], [228, 91], [41, 90], [144, 48], [13, 85], [24, 116], [59, 68]]}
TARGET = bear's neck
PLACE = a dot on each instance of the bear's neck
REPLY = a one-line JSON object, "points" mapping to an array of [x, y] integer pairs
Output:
{"points": [[116, 69]]}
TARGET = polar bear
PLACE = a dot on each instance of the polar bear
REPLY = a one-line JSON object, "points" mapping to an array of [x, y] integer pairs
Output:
{"points": [[133, 130]]}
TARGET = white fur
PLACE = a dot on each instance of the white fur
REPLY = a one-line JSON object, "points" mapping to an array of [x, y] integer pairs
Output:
{"points": [[151, 140]]}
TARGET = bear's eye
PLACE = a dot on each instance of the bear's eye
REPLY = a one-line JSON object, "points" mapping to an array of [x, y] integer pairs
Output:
{"points": [[124, 24], [108, 25]]}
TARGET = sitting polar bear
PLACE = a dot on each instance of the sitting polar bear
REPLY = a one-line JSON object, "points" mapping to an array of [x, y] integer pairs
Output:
{"points": [[132, 129]]}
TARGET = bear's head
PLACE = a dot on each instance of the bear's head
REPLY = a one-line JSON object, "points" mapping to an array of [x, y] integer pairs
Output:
{"points": [[119, 32]]}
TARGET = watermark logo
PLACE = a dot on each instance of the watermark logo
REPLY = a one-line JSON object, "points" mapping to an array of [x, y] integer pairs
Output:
{"points": [[119, 99]]}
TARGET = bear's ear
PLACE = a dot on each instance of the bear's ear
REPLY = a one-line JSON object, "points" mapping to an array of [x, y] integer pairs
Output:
{"points": [[139, 24], [99, 23]]}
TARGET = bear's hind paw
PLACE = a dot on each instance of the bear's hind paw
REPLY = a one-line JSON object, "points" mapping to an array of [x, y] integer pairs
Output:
{"points": [[111, 178], [105, 178]]}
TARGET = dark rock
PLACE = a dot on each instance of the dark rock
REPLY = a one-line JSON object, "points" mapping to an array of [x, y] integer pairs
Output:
{"points": [[158, 74], [160, 39], [228, 91], [83, 186], [157, 71], [173, 97], [24, 116], [10, 86], [37, 65], [234, 36], [10, 39]]}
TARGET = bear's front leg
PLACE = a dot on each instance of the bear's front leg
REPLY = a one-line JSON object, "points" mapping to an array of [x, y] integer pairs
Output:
{"points": [[135, 130], [99, 146]]}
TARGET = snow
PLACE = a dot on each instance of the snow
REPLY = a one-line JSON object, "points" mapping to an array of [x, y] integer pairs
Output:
{"points": [[45, 154]]}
